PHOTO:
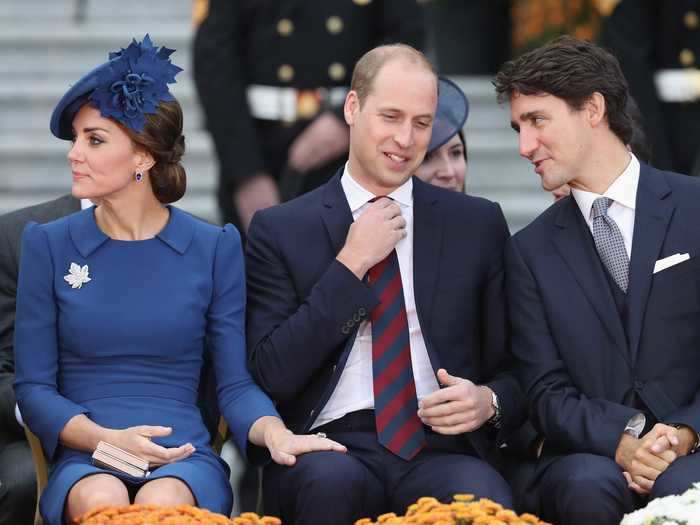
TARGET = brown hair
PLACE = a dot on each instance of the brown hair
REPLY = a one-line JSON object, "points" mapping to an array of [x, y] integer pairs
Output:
{"points": [[572, 70], [372, 61], [162, 138]]}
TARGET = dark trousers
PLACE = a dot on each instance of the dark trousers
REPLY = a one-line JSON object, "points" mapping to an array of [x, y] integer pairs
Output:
{"points": [[580, 489], [17, 483], [330, 487]]}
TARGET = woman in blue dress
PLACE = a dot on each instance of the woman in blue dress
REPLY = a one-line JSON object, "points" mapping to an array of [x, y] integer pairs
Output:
{"points": [[117, 304]]}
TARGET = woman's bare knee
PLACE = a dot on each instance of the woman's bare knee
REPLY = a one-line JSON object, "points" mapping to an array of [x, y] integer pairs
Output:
{"points": [[165, 492], [98, 490]]}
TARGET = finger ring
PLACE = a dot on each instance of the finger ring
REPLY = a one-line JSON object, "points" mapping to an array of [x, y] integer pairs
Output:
{"points": [[321, 435]]}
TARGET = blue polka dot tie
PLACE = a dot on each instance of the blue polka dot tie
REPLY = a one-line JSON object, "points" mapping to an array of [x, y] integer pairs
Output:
{"points": [[609, 243]]}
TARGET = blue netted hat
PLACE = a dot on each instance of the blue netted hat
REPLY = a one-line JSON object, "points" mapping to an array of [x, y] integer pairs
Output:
{"points": [[451, 113], [127, 87]]}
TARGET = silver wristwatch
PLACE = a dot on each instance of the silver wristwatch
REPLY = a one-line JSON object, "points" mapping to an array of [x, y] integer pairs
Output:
{"points": [[495, 419]]}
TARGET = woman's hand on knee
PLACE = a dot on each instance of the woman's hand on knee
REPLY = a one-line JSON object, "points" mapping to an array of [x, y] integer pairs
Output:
{"points": [[137, 440]]}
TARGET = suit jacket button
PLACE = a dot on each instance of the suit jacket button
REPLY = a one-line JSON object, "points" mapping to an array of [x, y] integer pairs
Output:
{"points": [[285, 73], [336, 71], [334, 24], [361, 310], [686, 58], [285, 27]]}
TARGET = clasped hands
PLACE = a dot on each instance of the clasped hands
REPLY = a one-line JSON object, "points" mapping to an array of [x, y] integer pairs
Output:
{"points": [[645, 459], [459, 407]]}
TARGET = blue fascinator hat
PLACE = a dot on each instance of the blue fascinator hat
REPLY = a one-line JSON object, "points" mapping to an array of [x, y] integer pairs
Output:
{"points": [[127, 87], [451, 113]]}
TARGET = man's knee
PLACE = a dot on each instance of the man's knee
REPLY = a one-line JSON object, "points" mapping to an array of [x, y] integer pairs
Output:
{"points": [[18, 489], [319, 483], [331, 472], [678, 478], [455, 474], [585, 488]]}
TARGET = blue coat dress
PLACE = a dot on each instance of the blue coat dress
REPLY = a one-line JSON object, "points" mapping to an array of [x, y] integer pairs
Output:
{"points": [[126, 347]]}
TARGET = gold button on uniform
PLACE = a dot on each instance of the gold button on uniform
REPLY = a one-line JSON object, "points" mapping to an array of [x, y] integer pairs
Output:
{"points": [[362, 2], [285, 27], [687, 58], [334, 24], [336, 71], [691, 20], [285, 73]]}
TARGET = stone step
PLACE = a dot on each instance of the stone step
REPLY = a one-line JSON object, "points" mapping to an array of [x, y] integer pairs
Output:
{"points": [[30, 108], [28, 162], [18, 11], [34, 158], [63, 53], [202, 205]]}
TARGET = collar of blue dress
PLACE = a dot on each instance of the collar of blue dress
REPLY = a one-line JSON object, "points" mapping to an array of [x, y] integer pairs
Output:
{"points": [[87, 236]]}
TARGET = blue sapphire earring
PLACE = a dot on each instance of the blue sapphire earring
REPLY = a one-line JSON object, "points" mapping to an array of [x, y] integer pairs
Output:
{"points": [[138, 176]]}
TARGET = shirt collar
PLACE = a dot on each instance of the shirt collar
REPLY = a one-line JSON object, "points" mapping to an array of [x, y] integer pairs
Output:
{"points": [[623, 190], [87, 236], [358, 196]]}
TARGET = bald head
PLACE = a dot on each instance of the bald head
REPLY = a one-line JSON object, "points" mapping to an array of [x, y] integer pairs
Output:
{"points": [[371, 63]]}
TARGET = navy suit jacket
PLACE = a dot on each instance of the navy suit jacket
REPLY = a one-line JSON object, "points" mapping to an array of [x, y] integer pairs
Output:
{"points": [[580, 368], [304, 307]]}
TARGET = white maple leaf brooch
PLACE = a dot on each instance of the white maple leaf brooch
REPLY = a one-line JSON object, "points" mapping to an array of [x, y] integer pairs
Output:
{"points": [[77, 275]]}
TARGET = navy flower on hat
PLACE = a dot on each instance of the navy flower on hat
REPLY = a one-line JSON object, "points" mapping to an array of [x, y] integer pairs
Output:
{"points": [[134, 82]]}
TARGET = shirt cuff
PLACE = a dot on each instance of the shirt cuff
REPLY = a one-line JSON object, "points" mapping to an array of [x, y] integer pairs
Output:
{"points": [[635, 425], [18, 416]]}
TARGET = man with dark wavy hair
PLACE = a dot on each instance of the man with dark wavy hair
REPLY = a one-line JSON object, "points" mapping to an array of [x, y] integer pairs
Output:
{"points": [[604, 289]]}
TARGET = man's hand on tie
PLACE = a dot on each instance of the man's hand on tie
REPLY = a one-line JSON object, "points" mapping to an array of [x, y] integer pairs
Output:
{"points": [[372, 236]]}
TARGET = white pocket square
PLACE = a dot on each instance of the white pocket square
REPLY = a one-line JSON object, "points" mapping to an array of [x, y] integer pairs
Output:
{"points": [[669, 261]]}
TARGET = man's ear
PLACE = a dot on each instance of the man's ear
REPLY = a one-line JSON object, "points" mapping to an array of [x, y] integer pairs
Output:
{"points": [[595, 109], [351, 107]]}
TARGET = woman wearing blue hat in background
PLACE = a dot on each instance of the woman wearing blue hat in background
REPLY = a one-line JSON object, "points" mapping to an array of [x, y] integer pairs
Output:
{"points": [[115, 303], [445, 163]]}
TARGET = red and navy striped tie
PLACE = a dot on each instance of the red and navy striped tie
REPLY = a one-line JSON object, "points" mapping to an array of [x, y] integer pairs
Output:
{"points": [[395, 404]]}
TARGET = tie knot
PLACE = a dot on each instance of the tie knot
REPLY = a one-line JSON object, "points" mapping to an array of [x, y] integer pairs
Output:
{"points": [[600, 206], [375, 199]]}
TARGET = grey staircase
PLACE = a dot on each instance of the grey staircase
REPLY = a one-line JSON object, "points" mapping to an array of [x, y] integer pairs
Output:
{"points": [[43, 49]]}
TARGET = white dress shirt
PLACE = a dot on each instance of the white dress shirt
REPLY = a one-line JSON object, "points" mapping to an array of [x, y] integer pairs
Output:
{"points": [[355, 390], [623, 192]]}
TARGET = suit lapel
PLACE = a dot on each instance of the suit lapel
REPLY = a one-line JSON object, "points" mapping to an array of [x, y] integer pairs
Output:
{"points": [[570, 240], [427, 242], [336, 213], [653, 213]]}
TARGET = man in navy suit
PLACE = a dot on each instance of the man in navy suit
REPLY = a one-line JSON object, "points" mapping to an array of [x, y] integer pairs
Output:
{"points": [[604, 295], [369, 294]]}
